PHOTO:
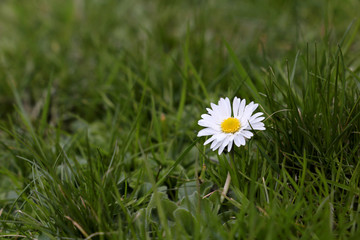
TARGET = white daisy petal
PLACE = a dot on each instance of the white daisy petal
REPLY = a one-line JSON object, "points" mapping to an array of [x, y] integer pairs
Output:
{"points": [[209, 118], [222, 108], [214, 143], [256, 120], [210, 140], [215, 109], [237, 140], [220, 136], [249, 109], [241, 108], [252, 124], [225, 143], [209, 124], [258, 126], [231, 140], [206, 116], [246, 133], [221, 149], [256, 115], [228, 107], [213, 106], [206, 132], [236, 105], [242, 140], [216, 146]]}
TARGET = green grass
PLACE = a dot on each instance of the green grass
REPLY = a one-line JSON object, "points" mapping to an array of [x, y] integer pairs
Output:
{"points": [[99, 103]]}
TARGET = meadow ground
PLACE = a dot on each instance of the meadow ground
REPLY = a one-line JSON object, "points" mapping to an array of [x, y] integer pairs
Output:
{"points": [[99, 104]]}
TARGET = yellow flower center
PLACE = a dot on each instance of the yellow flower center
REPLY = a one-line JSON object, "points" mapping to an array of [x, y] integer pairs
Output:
{"points": [[230, 125]]}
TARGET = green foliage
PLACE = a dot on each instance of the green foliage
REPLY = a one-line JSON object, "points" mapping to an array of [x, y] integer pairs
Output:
{"points": [[99, 103]]}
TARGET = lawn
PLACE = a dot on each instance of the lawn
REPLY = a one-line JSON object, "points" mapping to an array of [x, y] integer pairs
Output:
{"points": [[99, 110]]}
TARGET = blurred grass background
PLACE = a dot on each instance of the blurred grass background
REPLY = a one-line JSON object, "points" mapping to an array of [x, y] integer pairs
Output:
{"points": [[103, 96], [79, 45]]}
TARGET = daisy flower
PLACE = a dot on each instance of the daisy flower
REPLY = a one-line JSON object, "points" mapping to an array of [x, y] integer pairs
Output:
{"points": [[227, 125]]}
